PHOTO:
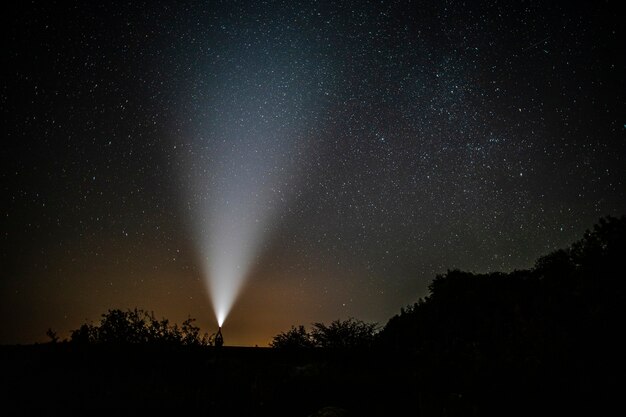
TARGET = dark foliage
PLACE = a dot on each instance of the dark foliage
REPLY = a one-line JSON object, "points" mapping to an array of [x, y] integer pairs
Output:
{"points": [[294, 338], [351, 333], [138, 327], [346, 334], [52, 335], [550, 334]]}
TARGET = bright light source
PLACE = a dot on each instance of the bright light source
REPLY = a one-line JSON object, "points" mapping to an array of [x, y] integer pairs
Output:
{"points": [[239, 217], [241, 163], [233, 222], [220, 318]]}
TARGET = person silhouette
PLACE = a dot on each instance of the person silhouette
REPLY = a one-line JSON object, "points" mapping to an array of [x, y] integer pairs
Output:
{"points": [[219, 339]]}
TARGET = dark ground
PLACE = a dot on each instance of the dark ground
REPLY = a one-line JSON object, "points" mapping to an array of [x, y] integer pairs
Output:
{"points": [[65, 379]]}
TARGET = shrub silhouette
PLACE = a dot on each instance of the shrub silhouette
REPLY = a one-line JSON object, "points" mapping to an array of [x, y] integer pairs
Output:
{"points": [[350, 333], [52, 335], [138, 327], [294, 338]]}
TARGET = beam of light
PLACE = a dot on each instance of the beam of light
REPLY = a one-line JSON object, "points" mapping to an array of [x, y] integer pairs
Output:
{"points": [[240, 212], [238, 188], [253, 122]]}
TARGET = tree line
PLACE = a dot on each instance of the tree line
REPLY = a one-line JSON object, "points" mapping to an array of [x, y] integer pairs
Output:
{"points": [[569, 297], [541, 341], [339, 334], [138, 326]]}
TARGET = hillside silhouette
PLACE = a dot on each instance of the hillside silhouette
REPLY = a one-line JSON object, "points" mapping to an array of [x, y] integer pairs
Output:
{"points": [[542, 341]]}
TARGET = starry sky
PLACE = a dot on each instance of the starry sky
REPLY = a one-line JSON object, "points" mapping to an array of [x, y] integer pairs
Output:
{"points": [[377, 144]]}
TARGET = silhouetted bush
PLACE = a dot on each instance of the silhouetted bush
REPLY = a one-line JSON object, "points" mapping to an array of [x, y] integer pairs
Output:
{"points": [[52, 335], [350, 333], [294, 338], [138, 327]]}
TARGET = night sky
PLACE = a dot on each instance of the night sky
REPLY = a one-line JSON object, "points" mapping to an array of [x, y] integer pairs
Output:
{"points": [[364, 146]]}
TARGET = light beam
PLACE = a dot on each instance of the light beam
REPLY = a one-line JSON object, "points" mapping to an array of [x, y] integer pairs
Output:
{"points": [[251, 122], [240, 212]]}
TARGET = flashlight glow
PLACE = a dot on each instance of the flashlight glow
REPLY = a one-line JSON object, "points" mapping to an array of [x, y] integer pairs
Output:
{"points": [[240, 213], [251, 124]]}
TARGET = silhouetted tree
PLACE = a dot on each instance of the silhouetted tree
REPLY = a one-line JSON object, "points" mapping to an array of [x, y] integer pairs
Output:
{"points": [[294, 338], [138, 327], [350, 333], [86, 334], [52, 335]]}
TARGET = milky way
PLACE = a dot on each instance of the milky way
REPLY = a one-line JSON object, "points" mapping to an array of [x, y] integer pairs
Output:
{"points": [[365, 146]]}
